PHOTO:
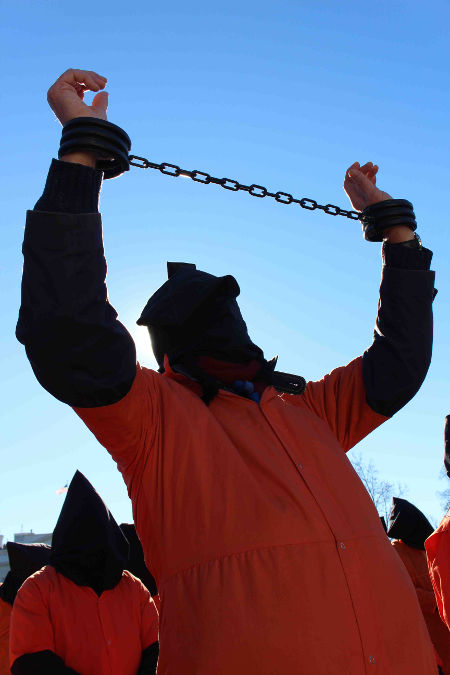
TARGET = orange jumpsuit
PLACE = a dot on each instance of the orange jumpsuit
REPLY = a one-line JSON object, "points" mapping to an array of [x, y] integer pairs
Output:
{"points": [[94, 635], [255, 524], [5, 612], [437, 547], [415, 562]]}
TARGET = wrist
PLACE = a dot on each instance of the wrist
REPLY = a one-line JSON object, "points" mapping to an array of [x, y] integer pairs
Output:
{"points": [[85, 158], [398, 234]]}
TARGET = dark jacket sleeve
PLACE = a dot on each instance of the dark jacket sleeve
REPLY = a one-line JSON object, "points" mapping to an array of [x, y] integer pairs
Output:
{"points": [[39, 663], [77, 348], [149, 660], [395, 365]]}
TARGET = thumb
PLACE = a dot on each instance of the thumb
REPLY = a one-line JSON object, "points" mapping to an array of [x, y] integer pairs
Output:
{"points": [[100, 104]]}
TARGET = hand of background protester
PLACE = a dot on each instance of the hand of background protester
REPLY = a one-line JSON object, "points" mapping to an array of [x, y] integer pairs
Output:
{"points": [[65, 98], [360, 186]]}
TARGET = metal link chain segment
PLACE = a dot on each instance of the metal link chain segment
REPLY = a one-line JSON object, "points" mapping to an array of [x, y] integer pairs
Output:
{"points": [[234, 186]]}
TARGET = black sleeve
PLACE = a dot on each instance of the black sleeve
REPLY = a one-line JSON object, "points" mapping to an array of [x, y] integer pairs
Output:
{"points": [[77, 348], [395, 366], [149, 660], [39, 663]]}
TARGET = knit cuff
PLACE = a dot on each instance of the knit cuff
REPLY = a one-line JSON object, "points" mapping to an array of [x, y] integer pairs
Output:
{"points": [[70, 188], [405, 257]]}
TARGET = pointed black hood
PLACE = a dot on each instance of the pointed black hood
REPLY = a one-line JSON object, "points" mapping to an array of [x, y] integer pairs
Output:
{"points": [[409, 524], [447, 445], [24, 560], [136, 563], [88, 546], [196, 313]]}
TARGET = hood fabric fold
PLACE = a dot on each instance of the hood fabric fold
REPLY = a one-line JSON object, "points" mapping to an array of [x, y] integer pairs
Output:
{"points": [[24, 560], [136, 562], [88, 546], [408, 523]]}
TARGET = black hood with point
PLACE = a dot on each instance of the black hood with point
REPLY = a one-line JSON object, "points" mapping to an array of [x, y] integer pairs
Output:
{"points": [[408, 523], [24, 560], [88, 546]]}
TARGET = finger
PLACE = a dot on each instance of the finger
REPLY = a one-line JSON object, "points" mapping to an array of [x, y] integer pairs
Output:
{"points": [[100, 103], [74, 76]]}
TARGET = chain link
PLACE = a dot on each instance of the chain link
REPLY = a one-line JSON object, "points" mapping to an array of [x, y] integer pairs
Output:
{"points": [[234, 186]]}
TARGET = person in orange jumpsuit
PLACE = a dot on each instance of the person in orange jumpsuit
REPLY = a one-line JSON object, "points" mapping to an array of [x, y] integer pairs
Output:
{"points": [[409, 528], [24, 560], [437, 547], [83, 613], [268, 554]]}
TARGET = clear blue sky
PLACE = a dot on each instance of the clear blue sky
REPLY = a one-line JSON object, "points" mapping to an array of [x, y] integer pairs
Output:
{"points": [[286, 95]]}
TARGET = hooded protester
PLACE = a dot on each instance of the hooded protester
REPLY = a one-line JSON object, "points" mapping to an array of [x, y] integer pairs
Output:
{"points": [[136, 562], [437, 547], [268, 553], [409, 528], [83, 613], [24, 560]]}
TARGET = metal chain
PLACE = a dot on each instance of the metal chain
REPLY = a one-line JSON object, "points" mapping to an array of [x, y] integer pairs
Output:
{"points": [[235, 186]]}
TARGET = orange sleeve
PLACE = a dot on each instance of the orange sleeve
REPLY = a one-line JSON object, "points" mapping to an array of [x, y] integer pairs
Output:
{"points": [[437, 547], [149, 619], [31, 629], [126, 428], [340, 400]]}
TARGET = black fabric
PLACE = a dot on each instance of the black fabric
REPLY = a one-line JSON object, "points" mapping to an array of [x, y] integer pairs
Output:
{"points": [[395, 366], [78, 350], [195, 313], [447, 445], [88, 546], [149, 660], [408, 524], [136, 563], [70, 188], [383, 523], [41, 663], [24, 560]]}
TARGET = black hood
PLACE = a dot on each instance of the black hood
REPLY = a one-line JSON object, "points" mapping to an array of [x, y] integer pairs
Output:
{"points": [[136, 563], [408, 524], [195, 313], [447, 445], [88, 546], [24, 560]]}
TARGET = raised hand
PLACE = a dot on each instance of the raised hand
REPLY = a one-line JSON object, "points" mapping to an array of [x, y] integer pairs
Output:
{"points": [[360, 186], [66, 96]]}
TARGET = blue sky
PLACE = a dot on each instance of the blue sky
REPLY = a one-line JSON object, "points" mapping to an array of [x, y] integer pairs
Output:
{"points": [[285, 95]]}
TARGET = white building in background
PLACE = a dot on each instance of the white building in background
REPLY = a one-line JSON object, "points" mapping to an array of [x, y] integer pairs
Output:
{"points": [[21, 538]]}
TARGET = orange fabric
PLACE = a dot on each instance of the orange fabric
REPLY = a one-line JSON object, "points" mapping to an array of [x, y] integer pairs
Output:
{"points": [[437, 547], [93, 635], [268, 553], [415, 562], [5, 612]]}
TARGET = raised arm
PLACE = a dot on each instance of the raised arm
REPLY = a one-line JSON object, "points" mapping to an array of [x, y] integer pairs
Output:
{"points": [[395, 365], [77, 348], [356, 398]]}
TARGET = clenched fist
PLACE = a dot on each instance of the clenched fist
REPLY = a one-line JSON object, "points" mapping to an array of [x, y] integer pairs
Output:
{"points": [[65, 97], [360, 186]]}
